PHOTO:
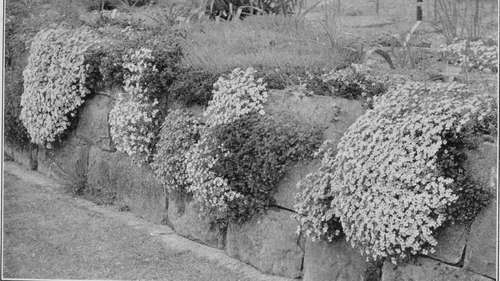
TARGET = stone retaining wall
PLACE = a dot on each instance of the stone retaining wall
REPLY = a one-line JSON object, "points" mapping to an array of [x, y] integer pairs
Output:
{"points": [[268, 242]]}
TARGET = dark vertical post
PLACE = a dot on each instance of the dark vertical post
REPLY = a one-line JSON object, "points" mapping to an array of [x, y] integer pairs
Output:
{"points": [[419, 10]]}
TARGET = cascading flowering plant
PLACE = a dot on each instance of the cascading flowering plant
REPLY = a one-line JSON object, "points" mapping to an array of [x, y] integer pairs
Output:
{"points": [[133, 118], [236, 95], [55, 81], [384, 187]]}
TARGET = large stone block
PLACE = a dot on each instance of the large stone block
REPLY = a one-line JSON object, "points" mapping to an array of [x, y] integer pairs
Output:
{"points": [[337, 261], [451, 244], [24, 155], [66, 161], [269, 242], [133, 185], [287, 187], [481, 164], [480, 255], [334, 115], [93, 125], [428, 270], [185, 218]]}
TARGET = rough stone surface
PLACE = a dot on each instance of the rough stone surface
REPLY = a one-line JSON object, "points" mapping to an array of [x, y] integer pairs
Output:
{"points": [[480, 255], [287, 188], [133, 185], [26, 156], [268, 242], [93, 125], [481, 164], [67, 161], [184, 217], [334, 115], [451, 243], [333, 261], [428, 270]]}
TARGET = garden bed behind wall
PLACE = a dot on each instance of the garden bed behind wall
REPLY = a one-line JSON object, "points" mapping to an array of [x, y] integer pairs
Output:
{"points": [[87, 160]]}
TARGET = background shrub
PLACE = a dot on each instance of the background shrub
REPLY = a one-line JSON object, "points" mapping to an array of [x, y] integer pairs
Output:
{"points": [[391, 184], [246, 159], [179, 132], [355, 82], [472, 55], [193, 87], [56, 81]]}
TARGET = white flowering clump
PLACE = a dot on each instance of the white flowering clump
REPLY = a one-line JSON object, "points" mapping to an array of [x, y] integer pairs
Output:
{"points": [[133, 118], [211, 191], [55, 81], [179, 132], [236, 95], [384, 184], [477, 56], [132, 123]]}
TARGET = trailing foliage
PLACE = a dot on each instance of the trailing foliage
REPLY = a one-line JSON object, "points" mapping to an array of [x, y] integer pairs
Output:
{"points": [[236, 166], [179, 132], [133, 119], [56, 81], [473, 55], [397, 175], [14, 130], [236, 95], [355, 82], [193, 87]]}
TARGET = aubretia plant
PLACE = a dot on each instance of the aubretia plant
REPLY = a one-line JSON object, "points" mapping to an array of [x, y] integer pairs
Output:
{"points": [[236, 166], [476, 56], [236, 95], [386, 184], [132, 125], [56, 81], [134, 118], [179, 132]]}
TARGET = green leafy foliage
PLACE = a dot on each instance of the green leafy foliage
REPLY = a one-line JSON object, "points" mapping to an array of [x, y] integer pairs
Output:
{"points": [[246, 158], [179, 132], [396, 175]]}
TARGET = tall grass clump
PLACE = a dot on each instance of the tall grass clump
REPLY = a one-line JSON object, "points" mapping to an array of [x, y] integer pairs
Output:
{"points": [[268, 41]]}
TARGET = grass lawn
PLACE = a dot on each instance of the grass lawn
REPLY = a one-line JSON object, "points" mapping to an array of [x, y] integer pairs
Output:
{"points": [[46, 236]]}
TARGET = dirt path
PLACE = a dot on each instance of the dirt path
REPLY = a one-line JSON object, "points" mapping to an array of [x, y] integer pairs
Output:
{"points": [[49, 234]]}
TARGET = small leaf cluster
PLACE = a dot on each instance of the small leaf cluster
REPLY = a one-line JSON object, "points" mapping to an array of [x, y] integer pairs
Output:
{"points": [[193, 86], [473, 55], [179, 132], [394, 178], [56, 81], [356, 82]]}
